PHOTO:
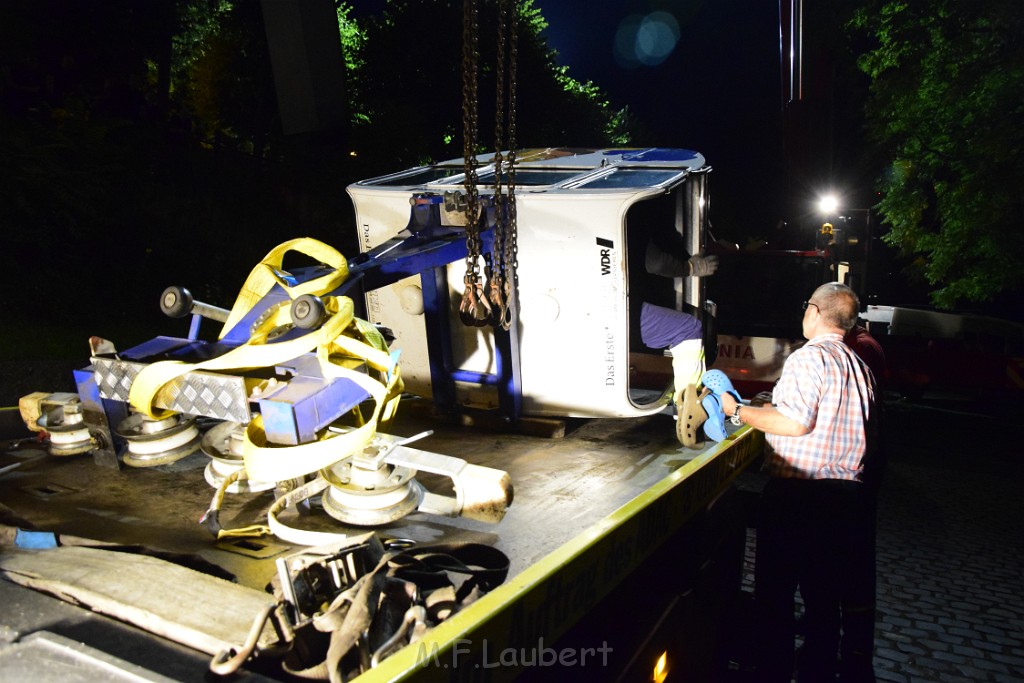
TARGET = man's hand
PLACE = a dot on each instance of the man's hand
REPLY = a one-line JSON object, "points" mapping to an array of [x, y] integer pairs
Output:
{"points": [[702, 266]]}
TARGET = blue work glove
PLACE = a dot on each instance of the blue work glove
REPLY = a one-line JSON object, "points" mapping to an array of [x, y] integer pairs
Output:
{"points": [[35, 540]]}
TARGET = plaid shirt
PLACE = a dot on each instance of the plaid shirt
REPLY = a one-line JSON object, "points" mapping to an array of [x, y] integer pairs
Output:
{"points": [[828, 389]]}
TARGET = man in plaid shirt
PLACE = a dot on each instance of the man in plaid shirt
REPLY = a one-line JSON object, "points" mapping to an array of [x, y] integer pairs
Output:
{"points": [[817, 518]]}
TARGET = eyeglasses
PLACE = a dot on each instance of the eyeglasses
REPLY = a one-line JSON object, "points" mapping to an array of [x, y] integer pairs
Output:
{"points": [[810, 303]]}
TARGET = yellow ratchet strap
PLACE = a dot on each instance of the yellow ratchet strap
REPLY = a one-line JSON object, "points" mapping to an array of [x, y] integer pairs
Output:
{"points": [[254, 353], [336, 337], [277, 463], [267, 273]]}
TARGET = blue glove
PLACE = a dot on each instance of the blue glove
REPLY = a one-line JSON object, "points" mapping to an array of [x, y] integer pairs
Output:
{"points": [[35, 540]]}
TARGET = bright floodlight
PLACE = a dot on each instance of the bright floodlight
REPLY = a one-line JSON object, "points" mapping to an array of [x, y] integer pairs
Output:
{"points": [[828, 204]]}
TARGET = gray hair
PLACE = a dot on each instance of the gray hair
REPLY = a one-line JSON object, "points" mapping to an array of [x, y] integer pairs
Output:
{"points": [[838, 304]]}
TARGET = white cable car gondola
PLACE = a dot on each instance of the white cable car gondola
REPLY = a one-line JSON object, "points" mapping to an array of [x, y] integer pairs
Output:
{"points": [[578, 212]]}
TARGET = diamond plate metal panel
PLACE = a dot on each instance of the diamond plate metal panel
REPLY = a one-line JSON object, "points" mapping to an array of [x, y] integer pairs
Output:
{"points": [[195, 393]]}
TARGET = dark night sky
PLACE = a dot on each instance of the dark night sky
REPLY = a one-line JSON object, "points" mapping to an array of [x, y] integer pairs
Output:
{"points": [[714, 88], [721, 70], [723, 64]]}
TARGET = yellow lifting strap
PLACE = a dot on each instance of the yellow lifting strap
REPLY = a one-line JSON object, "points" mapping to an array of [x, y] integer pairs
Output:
{"points": [[341, 335], [277, 463], [268, 273]]}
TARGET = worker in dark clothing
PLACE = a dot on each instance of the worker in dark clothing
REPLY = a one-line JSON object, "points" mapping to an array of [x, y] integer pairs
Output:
{"points": [[870, 351], [858, 600], [657, 249]]}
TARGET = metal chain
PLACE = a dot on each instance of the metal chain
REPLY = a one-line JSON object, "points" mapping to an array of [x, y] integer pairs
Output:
{"points": [[474, 309], [491, 304], [496, 274], [511, 252]]}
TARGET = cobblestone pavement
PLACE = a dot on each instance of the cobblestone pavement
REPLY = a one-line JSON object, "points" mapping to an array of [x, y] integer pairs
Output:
{"points": [[950, 547]]}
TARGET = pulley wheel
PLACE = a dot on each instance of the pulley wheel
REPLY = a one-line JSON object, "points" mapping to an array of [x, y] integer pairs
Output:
{"points": [[158, 442], [70, 440], [222, 443], [69, 436], [372, 510], [362, 507]]}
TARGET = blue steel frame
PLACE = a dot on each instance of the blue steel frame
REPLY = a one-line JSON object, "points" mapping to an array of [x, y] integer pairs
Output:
{"points": [[425, 248]]}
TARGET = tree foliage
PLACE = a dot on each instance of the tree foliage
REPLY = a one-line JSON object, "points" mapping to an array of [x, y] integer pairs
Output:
{"points": [[947, 107], [141, 144], [405, 81], [111, 188]]}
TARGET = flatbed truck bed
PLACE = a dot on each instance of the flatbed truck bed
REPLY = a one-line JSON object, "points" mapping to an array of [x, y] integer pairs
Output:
{"points": [[597, 514]]}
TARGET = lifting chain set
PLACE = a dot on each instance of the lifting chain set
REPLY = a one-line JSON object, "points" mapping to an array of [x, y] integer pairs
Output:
{"points": [[491, 303]]}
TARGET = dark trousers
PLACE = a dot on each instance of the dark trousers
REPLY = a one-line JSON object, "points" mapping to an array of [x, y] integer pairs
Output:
{"points": [[818, 535]]}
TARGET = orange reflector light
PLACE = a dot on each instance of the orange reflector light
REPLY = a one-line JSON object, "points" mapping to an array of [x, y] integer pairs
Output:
{"points": [[661, 669]]}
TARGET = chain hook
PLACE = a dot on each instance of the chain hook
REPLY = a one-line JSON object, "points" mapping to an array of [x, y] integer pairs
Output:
{"points": [[474, 309]]}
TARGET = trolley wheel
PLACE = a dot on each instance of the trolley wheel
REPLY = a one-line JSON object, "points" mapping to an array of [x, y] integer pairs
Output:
{"points": [[176, 302], [308, 311]]}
